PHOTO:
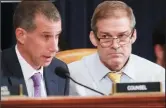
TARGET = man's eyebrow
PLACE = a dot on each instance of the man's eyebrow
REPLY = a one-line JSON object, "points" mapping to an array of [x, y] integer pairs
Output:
{"points": [[123, 32], [45, 32], [105, 33], [111, 35]]}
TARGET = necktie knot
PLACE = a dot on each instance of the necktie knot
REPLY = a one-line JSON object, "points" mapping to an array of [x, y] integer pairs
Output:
{"points": [[115, 77], [36, 79]]}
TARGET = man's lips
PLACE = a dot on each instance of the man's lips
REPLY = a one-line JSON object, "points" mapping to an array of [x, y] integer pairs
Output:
{"points": [[115, 54], [48, 57]]}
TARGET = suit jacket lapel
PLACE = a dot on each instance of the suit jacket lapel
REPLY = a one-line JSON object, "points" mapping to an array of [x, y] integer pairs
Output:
{"points": [[51, 82], [15, 86], [14, 67]]}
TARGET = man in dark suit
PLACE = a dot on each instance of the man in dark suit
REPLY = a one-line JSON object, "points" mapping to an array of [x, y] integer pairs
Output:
{"points": [[31, 61]]}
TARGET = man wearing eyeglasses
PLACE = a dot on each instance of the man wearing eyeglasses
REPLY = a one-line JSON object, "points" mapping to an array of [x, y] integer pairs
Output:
{"points": [[113, 33]]}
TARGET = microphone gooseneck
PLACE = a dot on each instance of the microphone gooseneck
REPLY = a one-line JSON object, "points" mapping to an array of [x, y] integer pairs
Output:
{"points": [[64, 73]]}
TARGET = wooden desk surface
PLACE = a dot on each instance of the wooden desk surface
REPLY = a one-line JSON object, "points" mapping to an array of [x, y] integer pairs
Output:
{"points": [[143, 100]]}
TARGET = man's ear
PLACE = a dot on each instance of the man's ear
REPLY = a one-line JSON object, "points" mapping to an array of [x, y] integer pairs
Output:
{"points": [[158, 51], [134, 37], [93, 38], [20, 35]]}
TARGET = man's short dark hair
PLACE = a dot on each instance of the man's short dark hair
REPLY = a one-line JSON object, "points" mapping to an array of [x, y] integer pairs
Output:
{"points": [[26, 11]]}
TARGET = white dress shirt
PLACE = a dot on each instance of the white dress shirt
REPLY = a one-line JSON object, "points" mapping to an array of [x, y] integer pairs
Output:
{"points": [[91, 72], [28, 72]]}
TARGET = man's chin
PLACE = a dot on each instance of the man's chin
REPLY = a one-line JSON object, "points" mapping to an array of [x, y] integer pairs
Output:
{"points": [[116, 61], [116, 65], [46, 64]]}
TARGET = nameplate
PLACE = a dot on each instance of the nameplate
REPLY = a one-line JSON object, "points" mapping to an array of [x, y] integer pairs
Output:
{"points": [[137, 87], [4, 91]]}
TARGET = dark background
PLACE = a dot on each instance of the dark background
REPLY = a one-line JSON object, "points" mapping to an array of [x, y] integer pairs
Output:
{"points": [[76, 16]]}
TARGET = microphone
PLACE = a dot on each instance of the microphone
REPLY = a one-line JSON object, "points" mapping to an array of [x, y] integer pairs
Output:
{"points": [[64, 73]]}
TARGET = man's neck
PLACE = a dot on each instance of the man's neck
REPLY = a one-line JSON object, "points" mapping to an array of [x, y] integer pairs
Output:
{"points": [[159, 62], [27, 58]]}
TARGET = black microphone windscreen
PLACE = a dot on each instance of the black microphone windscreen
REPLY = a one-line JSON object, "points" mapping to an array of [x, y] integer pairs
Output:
{"points": [[61, 72]]}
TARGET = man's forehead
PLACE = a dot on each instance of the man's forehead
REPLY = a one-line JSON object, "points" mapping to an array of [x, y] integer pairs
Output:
{"points": [[125, 18]]}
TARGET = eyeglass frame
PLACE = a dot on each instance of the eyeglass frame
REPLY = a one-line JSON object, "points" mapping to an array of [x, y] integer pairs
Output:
{"points": [[130, 36]]}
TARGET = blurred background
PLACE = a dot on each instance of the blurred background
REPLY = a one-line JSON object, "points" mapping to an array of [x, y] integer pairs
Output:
{"points": [[76, 16]]}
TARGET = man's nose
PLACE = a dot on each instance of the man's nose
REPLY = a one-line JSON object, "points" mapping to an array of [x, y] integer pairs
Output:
{"points": [[115, 43], [54, 46]]}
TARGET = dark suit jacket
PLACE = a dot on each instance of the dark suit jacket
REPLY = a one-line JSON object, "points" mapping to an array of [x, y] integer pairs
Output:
{"points": [[12, 75]]}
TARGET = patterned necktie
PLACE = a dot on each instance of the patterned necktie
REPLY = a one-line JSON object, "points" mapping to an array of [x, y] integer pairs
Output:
{"points": [[37, 84], [115, 77]]}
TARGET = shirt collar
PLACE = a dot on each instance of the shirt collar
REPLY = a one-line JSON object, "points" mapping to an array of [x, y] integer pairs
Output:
{"points": [[27, 69], [129, 68], [101, 70]]}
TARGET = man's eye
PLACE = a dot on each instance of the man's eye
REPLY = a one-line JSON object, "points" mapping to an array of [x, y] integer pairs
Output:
{"points": [[46, 36], [122, 36], [105, 36]]}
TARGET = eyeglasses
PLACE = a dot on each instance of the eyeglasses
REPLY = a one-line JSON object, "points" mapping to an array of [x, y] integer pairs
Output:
{"points": [[106, 41]]}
